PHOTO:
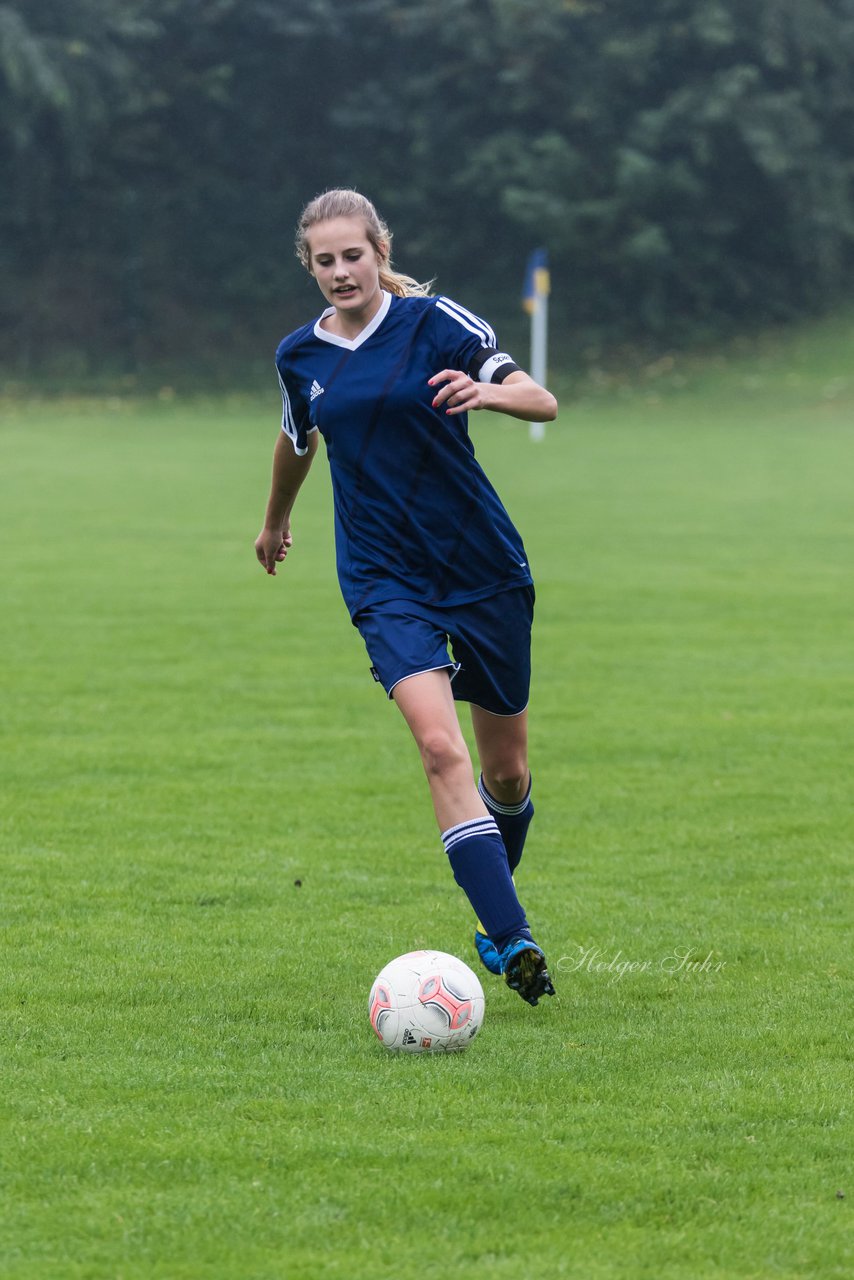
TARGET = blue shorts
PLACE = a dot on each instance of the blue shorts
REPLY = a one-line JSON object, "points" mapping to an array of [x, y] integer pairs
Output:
{"points": [[490, 642]]}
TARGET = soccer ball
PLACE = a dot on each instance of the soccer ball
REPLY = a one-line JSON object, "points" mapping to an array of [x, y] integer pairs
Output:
{"points": [[426, 1001]]}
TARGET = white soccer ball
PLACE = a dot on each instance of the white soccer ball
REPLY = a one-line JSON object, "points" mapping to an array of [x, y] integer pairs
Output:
{"points": [[426, 1001]]}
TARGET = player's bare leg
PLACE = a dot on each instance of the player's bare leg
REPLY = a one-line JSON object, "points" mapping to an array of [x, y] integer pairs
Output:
{"points": [[505, 780], [470, 832], [502, 745], [428, 707]]}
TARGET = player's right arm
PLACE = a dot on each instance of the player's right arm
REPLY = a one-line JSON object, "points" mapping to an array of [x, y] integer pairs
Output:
{"points": [[289, 471]]}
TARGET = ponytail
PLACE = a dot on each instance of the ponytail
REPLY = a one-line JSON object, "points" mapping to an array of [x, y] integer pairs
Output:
{"points": [[403, 286]]}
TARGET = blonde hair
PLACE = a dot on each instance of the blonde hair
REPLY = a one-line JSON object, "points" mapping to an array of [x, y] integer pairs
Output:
{"points": [[344, 203]]}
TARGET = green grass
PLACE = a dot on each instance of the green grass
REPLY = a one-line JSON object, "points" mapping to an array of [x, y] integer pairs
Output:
{"points": [[190, 1084]]}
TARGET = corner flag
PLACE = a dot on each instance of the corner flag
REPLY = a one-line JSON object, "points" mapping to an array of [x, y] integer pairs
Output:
{"points": [[535, 300], [537, 283]]}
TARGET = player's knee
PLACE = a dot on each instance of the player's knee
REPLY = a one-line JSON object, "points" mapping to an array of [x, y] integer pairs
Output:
{"points": [[442, 753], [507, 778]]}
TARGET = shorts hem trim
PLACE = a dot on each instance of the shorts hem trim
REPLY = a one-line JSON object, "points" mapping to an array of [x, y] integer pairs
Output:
{"points": [[505, 715], [453, 667]]}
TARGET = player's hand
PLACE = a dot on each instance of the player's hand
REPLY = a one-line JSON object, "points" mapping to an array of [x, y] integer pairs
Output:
{"points": [[271, 547], [460, 392]]}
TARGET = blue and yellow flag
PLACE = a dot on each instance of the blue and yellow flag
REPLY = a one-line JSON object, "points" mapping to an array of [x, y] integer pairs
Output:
{"points": [[537, 281]]}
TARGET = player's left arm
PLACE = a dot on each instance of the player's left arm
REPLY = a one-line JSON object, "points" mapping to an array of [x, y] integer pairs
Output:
{"points": [[517, 394]]}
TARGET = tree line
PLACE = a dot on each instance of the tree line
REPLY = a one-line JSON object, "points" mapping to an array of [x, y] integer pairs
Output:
{"points": [[689, 164]]}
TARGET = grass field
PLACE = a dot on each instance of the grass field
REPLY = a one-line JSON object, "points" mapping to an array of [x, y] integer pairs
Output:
{"points": [[215, 833]]}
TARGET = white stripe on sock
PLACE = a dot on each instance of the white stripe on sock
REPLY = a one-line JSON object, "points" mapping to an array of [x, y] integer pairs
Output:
{"points": [[491, 803], [464, 830]]}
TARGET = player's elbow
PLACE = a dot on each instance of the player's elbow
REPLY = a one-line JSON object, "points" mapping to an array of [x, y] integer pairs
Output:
{"points": [[549, 407]]}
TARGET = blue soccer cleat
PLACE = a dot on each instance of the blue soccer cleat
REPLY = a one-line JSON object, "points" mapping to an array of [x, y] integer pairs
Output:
{"points": [[488, 952], [523, 964]]}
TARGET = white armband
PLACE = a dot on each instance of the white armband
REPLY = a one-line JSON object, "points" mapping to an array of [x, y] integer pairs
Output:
{"points": [[496, 367]]}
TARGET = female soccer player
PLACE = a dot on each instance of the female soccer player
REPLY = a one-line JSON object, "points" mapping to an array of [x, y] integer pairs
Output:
{"points": [[426, 553]]}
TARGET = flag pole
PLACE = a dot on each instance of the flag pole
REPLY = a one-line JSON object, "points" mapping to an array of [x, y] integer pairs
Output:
{"points": [[537, 304]]}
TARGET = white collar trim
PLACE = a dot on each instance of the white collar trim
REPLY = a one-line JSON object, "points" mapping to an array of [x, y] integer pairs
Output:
{"points": [[352, 343]]}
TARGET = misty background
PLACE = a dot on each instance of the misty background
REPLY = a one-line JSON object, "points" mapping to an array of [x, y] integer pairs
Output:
{"points": [[688, 165]]}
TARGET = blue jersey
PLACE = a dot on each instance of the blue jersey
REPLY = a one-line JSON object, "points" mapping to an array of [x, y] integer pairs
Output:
{"points": [[415, 516]]}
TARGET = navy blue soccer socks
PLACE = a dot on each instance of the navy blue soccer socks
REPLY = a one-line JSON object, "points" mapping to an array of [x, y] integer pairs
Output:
{"points": [[479, 862], [512, 821]]}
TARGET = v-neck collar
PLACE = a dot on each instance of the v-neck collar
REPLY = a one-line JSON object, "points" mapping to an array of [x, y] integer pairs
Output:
{"points": [[352, 343]]}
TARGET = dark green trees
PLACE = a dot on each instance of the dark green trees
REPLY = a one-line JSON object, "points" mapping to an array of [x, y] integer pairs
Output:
{"points": [[685, 161]]}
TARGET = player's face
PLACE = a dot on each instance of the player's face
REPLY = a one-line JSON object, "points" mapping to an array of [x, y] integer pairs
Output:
{"points": [[346, 266]]}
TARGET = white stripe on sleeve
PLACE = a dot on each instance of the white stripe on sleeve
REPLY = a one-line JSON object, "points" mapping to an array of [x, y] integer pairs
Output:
{"points": [[469, 321], [289, 426]]}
